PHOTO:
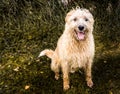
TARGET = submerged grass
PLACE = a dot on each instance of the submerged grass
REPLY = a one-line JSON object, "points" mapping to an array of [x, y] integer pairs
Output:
{"points": [[28, 26]]}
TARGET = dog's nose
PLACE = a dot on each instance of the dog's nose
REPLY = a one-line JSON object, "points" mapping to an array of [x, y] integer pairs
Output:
{"points": [[81, 27]]}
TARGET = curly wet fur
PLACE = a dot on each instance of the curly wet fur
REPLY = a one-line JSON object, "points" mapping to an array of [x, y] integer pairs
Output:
{"points": [[72, 53]]}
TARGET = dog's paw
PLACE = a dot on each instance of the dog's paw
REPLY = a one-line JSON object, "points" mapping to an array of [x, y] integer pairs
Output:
{"points": [[66, 87], [90, 83]]}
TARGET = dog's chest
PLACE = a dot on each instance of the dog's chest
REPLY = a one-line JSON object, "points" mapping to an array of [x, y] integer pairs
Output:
{"points": [[77, 60], [76, 54], [79, 55]]}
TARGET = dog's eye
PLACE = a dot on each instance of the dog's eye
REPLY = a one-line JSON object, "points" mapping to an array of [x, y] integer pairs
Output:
{"points": [[75, 19], [86, 19]]}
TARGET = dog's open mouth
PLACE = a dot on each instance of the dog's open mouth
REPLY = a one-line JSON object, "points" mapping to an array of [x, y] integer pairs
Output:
{"points": [[80, 35]]}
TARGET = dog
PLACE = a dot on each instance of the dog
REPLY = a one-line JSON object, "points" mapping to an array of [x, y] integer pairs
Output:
{"points": [[75, 48]]}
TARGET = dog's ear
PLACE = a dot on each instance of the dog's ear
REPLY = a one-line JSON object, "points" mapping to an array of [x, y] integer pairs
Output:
{"points": [[69, 14]]}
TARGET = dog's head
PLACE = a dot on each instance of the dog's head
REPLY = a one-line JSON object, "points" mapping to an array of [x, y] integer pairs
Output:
{"points": [[79, 22]]}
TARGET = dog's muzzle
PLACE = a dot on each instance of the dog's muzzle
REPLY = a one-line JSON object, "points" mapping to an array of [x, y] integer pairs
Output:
{"points": [[80, 32]]}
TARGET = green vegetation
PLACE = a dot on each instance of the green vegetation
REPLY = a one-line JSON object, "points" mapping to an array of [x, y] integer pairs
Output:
{"points": [[29, 26]]}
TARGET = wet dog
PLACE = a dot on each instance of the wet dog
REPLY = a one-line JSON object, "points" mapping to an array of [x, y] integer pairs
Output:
{"points": [[75, 47]]}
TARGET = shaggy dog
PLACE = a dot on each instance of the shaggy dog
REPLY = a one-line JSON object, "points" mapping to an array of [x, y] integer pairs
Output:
{"points": [[75, 47]]}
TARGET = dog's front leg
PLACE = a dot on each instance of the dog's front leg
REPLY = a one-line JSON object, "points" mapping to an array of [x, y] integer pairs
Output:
{"points": [[88, 72], [65, 70]]}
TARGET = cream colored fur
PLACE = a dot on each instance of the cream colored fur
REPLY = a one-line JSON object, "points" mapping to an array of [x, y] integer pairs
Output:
{"points": [[72, 52]]}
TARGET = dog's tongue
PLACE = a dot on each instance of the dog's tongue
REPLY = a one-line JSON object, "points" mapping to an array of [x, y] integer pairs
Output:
{"points": [[81, 35]]}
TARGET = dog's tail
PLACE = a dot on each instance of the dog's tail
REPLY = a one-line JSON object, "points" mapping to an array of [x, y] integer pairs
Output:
{"points": [[46, 52]]}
